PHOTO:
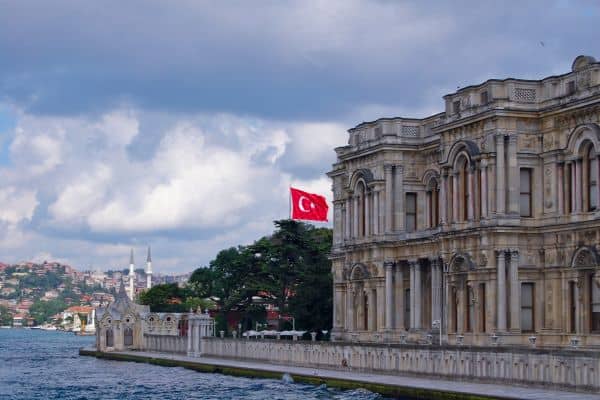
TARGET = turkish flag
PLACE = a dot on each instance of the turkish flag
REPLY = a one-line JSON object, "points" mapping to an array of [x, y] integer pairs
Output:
{"points": [[308, 206]]}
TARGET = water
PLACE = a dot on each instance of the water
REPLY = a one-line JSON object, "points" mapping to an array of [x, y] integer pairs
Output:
{"points": [[45, 365]]}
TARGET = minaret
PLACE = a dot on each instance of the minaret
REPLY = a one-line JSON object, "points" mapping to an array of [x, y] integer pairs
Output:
{"points": [[131, 277], [149, 270]]}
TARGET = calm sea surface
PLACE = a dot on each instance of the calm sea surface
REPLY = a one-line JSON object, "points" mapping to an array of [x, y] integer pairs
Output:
{"points": [[45, 365]]}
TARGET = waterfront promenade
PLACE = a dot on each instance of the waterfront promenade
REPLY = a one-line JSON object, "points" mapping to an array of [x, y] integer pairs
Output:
{"points": [[406, 386]]}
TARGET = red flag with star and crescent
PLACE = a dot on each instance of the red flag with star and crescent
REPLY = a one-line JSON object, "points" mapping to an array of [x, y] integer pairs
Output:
{"points": [[308, 206]]}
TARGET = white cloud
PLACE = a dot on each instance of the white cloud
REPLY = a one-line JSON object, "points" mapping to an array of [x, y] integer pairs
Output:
{"points": [[17, 205]]}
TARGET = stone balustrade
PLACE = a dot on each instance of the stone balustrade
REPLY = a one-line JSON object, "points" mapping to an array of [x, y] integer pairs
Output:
{"points": [[165, 343], [572, 369]]}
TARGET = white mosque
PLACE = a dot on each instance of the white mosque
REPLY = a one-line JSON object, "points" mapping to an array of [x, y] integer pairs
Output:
{"points": [[131, 290]]}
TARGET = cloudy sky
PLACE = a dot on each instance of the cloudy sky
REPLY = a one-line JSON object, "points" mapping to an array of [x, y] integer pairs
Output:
{"points": [[181, 124]]}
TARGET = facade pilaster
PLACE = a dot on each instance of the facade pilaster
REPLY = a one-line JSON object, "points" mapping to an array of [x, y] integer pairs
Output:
{"points": [[578, 186], [367, 218], [443, 204], [389, 299], [561, 190], [411, 266], [399, 297], [471, 205], [500, 176], [388, 198], [513, 176], [347, 217], [484, 189], [355, 217], [376, 212], [573, 188], [350, 312], [501, 293], [455, 197], [418, 299]]}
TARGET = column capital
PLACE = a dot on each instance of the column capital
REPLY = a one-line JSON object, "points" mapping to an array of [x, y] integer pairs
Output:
{"points": [[399, 168], [512, 138], [500, 253], [500, 135], [388, 167], [388, 265], [514, 253], [412, 263]]}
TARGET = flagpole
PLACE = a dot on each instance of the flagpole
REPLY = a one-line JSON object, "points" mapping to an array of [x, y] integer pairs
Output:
{"points": [[290, 201]]}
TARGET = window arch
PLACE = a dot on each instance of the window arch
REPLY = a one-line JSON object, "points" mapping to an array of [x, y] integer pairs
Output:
{"points": [[590, 176], [433, 206], [361, 192], [463, 195]]}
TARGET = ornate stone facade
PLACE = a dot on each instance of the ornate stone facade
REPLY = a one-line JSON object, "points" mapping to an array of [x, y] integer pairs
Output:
{"points": [[482, 220]]}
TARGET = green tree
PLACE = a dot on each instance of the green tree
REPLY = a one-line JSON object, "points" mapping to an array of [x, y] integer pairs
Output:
{"points": [[42, 311], [5, 316], [165, 298]]}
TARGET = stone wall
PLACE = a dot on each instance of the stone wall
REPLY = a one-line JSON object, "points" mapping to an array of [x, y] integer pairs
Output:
{"points": [[573, 369], [165, 343]]}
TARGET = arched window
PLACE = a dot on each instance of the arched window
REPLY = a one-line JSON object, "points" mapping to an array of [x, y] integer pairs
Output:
{"points": [[433, 203], [462, 195], [128, 337], [109, 338], [590, 168], [361, 192]]}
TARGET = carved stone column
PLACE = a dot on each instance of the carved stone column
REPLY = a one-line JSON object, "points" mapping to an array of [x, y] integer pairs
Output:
{"points": [[348, 216], [455, 198], [573, 188], [443, 204], [417, 296], [561, 190], [350, 308], [367, 217], [388, 198], [501, 293], [399, 297], [578, 186], [411, 266], [436, 285], [355, 216], [515, 292], [500, 176], [484, 189], [399, 198], [513, 176], [389, 299], [375, 212]]}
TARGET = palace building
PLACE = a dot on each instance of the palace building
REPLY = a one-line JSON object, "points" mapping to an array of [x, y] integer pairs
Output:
{"points": [[482, 221]]}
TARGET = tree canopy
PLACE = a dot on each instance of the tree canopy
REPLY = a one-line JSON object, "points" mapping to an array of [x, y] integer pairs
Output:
{"points": [[289, 270]]}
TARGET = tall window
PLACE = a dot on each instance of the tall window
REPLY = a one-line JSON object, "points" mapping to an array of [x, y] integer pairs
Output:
{"points": [[567, 189], [411, 212], [464, 183], [482, 307], [527, 307], [128, 337], [595, 304], [484, 97], [470, 309], [591, 174], [433, 204], [407, 309], [365, 312], [525, 199], [572, 307], [362, 192]]}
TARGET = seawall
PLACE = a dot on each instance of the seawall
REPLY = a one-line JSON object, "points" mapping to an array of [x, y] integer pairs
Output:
{"points": [[392, 386]]}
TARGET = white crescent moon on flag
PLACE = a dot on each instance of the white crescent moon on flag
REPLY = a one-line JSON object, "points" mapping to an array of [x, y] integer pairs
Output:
{"points": [[300, 206]]}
